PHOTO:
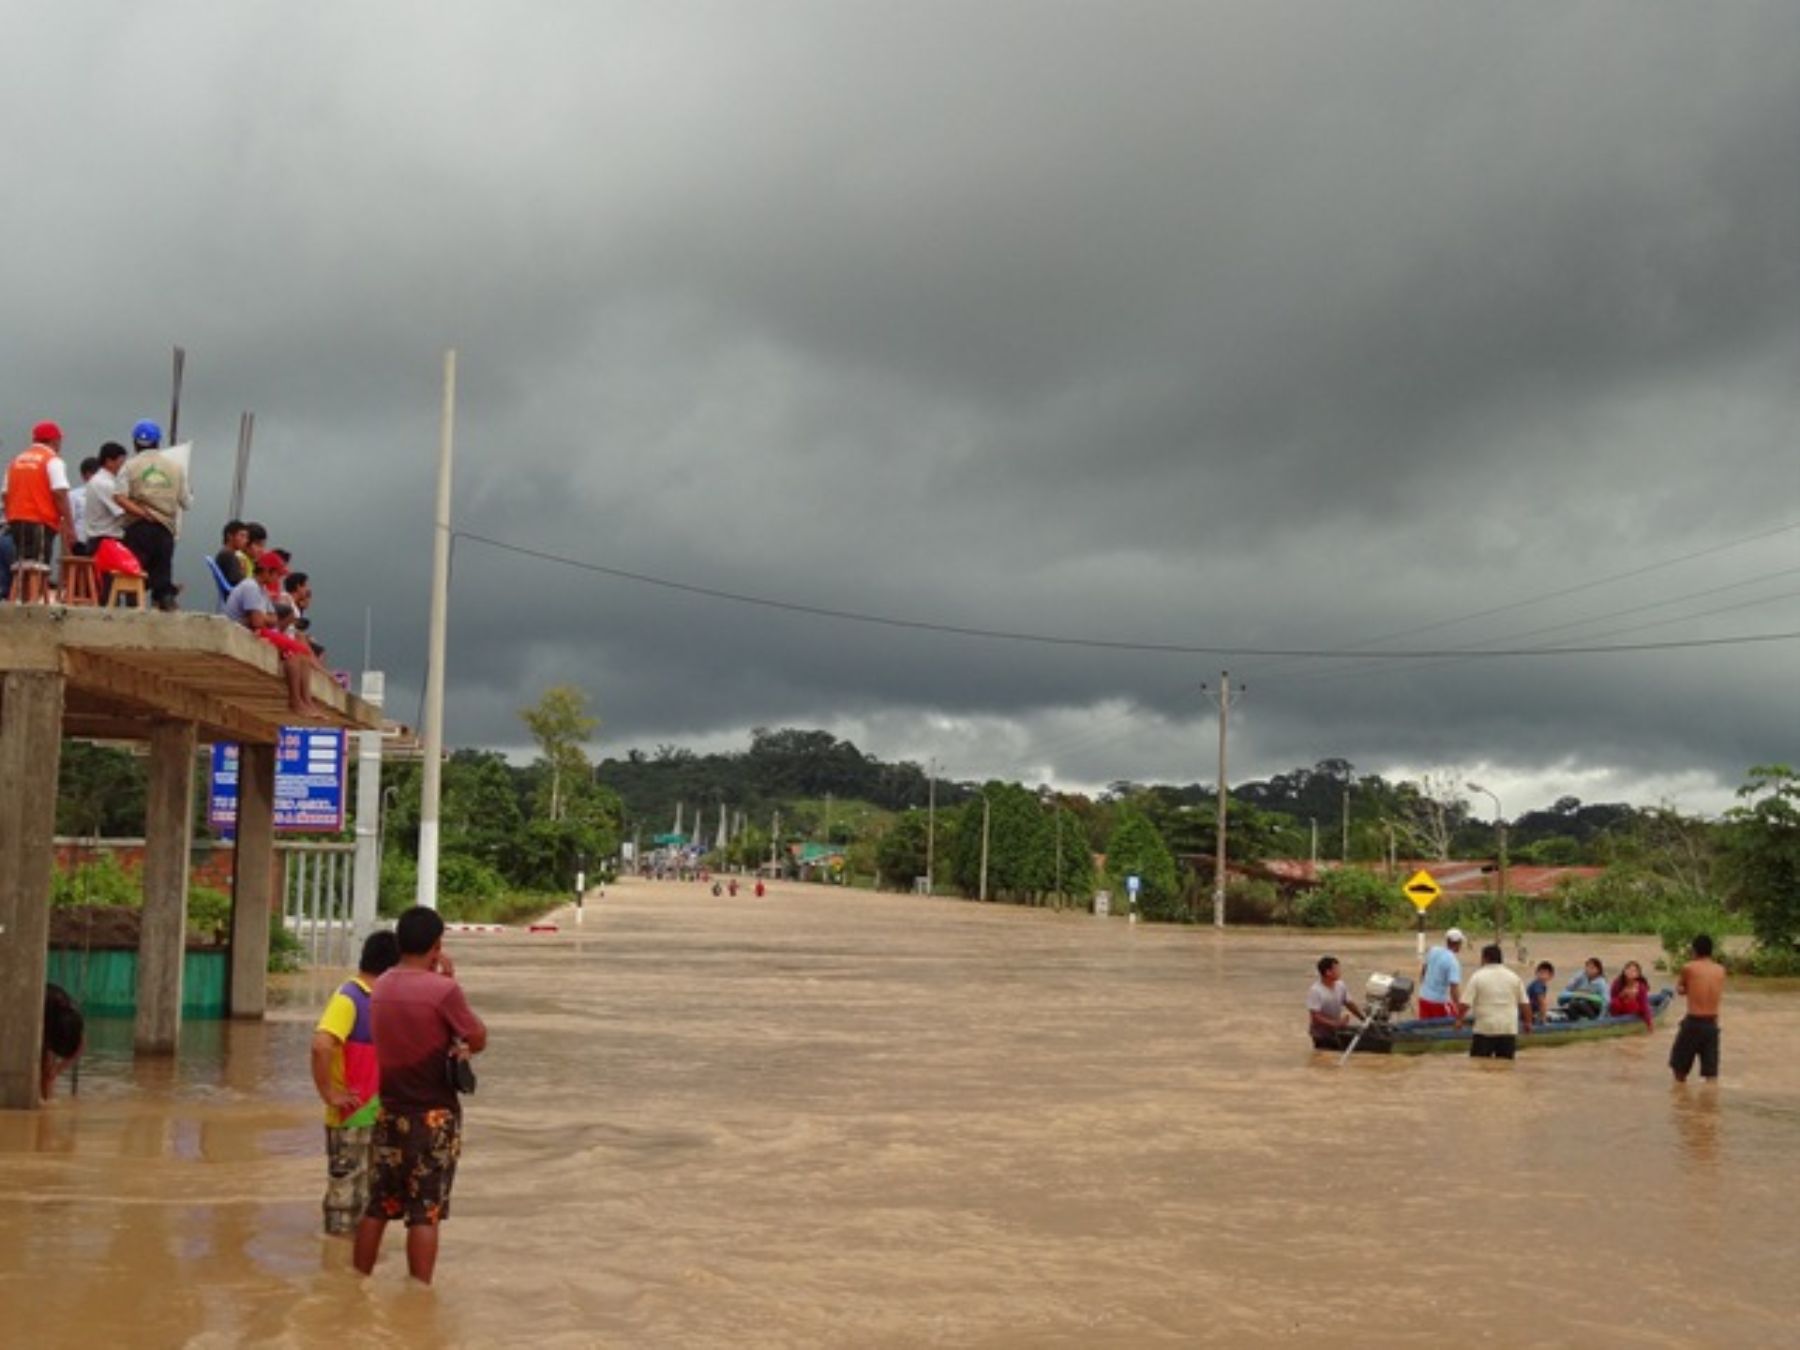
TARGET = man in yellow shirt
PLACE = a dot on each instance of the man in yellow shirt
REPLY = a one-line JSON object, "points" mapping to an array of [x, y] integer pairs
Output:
{"points": [[348, 1078]]}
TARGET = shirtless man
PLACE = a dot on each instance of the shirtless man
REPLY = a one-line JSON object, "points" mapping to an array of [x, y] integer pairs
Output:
{"points": [[1702, 982]]}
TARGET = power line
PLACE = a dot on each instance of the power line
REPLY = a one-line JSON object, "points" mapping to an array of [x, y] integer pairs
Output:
{"points": [[1578, 588], [1479, 648], [1100, 644]]}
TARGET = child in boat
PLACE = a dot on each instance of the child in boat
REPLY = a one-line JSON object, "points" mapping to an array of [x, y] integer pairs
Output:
{"points": [[1631, 995], [1538, 991], [1587, 994]]}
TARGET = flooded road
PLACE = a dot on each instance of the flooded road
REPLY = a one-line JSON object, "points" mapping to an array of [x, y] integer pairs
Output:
{"points": [[830, 1118]]}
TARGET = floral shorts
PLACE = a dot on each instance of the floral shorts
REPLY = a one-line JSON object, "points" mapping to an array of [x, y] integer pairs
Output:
{"points": [[415, 1155]]}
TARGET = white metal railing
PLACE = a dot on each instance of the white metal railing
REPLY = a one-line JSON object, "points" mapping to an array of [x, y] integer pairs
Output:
{"points": [[315, 905]]}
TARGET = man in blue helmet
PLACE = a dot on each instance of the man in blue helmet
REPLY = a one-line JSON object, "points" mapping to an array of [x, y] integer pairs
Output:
{"points": [[153, 490]]}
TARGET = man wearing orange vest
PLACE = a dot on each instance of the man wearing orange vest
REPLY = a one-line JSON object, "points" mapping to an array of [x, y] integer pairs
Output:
{"points": [[37, 508]]}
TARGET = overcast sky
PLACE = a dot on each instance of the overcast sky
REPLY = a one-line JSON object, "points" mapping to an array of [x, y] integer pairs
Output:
{"points": [[1262, 325]]}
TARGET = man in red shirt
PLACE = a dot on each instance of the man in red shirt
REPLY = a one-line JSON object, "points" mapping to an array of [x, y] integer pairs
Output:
{"points": [[421, 1021], [37, 508]]}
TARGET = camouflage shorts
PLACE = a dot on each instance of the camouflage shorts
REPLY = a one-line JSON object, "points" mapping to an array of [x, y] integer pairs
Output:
{"points": [[347, 1176], [415, 1155]]}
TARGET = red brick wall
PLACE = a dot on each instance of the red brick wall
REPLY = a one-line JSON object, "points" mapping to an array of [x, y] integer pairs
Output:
{"points": [[210, 864]]}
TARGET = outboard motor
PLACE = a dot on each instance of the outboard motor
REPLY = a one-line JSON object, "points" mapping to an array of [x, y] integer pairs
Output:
{"points": [[1387, 996]]}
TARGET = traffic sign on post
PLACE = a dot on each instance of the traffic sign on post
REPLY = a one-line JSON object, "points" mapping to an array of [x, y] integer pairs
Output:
{"points": [[1422, 890]]}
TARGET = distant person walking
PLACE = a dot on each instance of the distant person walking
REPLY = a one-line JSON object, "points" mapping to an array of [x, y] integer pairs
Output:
{"points": [[348, 1080], [1497, 1001], [153, 489], [1702, 983], [1440, 978], [421, 1022]]}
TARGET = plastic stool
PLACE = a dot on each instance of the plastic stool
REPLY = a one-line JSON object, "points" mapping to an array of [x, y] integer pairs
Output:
{"points": [[78, 585], [124, 584]]}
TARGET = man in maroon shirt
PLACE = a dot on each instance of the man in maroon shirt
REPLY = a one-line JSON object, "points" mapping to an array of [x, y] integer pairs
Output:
{"points": [[421, 1020]]}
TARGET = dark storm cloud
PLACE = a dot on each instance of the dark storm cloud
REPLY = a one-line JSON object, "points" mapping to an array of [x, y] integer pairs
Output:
{"points": [[1266, 324]]}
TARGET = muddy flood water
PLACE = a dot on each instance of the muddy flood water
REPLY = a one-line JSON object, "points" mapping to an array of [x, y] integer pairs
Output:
{"points": [[830, 1118]]}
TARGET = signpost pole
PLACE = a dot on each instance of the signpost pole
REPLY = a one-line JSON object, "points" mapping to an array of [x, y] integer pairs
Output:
{"points": [[1422, 889]]}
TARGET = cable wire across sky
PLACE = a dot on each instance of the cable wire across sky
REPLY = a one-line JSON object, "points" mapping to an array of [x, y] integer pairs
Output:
{"points": [[1223, 651]]}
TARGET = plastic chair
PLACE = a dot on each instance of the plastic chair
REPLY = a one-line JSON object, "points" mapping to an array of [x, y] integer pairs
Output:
{"points": [[218, 576]]}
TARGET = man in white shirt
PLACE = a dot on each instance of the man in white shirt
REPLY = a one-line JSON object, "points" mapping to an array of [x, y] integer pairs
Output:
{"points": [[1495, 998], [77, 496], [1328, 1004], [101, 515]]}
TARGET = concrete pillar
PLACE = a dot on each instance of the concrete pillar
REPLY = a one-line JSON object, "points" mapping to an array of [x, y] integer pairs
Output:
{"points": [[253, 880], [31, 709], [367, 878], [168, 839]]}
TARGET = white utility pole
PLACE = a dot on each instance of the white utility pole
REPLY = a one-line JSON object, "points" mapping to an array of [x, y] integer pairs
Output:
{"points": [[366, 867], [931, 831], [1224, 803], [431, 785]]}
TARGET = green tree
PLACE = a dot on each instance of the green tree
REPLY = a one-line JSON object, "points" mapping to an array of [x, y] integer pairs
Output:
{"points": [[1137, 849], [1019, 846], [1763, 848], [481, 815], [561, 725]]}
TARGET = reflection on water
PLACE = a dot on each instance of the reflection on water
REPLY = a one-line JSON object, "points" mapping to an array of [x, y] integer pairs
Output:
{"points": [[829, 1118]]}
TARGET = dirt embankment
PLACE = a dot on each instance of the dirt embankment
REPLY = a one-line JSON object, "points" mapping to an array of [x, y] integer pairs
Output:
{"points": [[105, 928]]}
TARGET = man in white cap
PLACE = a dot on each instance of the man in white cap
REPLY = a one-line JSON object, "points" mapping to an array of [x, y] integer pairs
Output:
{"points": [[1440, 978]]}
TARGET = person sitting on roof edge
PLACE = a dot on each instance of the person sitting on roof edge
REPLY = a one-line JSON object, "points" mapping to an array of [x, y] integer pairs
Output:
{"points": [[251, 604]]}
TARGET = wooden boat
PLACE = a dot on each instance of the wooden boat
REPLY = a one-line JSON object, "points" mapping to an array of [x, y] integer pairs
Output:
{"points": [[1430, 1035]]}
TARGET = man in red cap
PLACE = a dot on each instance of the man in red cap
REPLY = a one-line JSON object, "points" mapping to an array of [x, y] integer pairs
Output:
{"points": [[37, 509]]}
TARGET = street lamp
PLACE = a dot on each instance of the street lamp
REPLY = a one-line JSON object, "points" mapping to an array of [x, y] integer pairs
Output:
{"points": [[1500, 827]]}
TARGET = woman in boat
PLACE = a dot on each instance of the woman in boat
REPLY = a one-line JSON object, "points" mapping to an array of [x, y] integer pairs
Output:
{"points": [[1631, 995], [1587, 994]]}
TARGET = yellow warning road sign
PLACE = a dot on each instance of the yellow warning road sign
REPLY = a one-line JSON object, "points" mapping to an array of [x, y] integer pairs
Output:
{"points": [[1422, 890]]}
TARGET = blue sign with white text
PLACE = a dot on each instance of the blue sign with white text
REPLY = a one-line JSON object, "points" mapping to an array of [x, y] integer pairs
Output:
{"points": [[310, 768]]}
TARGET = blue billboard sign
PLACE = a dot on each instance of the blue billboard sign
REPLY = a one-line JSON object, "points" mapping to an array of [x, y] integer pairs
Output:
{"points": [[310, 769]]}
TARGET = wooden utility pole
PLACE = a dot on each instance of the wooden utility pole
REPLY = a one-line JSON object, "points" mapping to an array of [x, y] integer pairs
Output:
{"points": [[985, 805], [180, 366], [1346, 853]]}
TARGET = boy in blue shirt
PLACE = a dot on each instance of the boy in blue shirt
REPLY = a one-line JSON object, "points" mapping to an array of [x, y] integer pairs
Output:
{"points": [[1538, 991]]}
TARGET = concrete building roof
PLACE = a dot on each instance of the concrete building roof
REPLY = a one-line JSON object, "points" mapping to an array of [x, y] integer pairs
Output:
{"points": [[125, 669]]}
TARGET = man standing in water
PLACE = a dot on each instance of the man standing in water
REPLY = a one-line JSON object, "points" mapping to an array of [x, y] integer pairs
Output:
{"points": [[1328, 1004], [348, 1081], [1440, 978], [1702, 983], [1496, 999], [421, 1020]]}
